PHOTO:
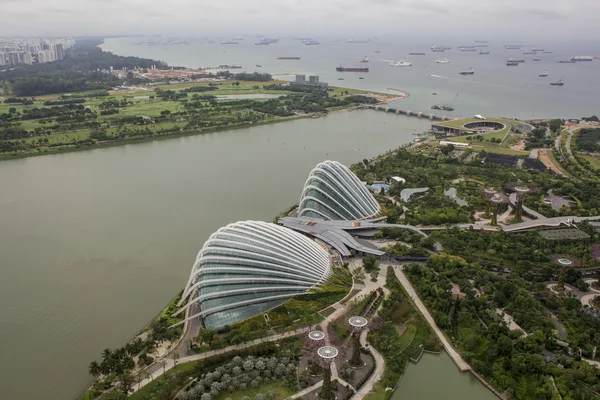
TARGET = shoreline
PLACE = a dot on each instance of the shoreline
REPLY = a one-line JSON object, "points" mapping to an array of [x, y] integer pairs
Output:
{"points": [[380, 96]]}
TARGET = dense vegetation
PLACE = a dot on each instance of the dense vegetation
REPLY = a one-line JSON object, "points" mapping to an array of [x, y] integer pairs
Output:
{"points": [[80, 70], [510, 361], [588, 139]]}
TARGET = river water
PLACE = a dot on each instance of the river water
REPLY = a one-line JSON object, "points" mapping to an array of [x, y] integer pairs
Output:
{"points": [[95, 243], [494, 90], [450, 384]]}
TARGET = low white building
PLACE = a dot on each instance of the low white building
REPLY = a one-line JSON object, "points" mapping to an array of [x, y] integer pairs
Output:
{"points": [[455, 144]]}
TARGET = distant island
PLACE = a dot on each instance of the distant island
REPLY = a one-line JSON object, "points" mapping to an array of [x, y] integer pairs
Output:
{"points": [[93, 98]]}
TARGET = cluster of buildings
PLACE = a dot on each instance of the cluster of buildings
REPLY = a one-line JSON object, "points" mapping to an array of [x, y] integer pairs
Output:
{"points": [[14, 52], [249, 267], [313, 81]]}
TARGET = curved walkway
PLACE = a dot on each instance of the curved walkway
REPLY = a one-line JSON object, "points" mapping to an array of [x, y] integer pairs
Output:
{"points": [[376, 375]]}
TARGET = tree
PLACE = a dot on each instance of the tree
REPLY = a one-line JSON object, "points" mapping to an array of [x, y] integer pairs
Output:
{"points": [[271, 394], [555, 125], [326, 392], [259, 396], [356, 360], [370, 263], [12, 110], [206, 396], [94, 369]]}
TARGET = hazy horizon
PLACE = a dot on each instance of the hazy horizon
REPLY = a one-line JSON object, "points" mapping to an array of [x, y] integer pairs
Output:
{"points": [[414, 19]]}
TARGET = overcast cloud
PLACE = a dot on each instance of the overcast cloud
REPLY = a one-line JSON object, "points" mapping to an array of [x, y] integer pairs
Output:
{"points": [[508, 18]]}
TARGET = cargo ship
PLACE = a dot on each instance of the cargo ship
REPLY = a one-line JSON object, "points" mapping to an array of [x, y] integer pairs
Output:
{"points": [[481, 45], [229, 42], [536, 59], [468, 49], [511, 63], [582, 58], [559, 83], [288, 58], [416, 54], [538, 49], [566, 62], [543, 74], [512, 47], [469, 72], [262, 43], [484, 52], [480, 41], [311, 42], [547, 52], [352, 69], [529, 52]]}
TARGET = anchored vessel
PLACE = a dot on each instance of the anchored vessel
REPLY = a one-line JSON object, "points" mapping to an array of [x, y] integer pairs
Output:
{"points": [[469, 72], [442, 60], [511, 63], [364, 60], [484, 52], [229, 42], [582, 58], [543, 74], [352, 69], [559, 83], [400, 63], [288, 58]]}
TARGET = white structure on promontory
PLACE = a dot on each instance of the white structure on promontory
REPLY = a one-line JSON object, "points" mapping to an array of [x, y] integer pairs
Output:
{"points": [[249, 267], [332, 191]]}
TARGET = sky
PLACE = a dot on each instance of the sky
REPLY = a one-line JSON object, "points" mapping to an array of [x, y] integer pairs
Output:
{"points": [[555, 19]]}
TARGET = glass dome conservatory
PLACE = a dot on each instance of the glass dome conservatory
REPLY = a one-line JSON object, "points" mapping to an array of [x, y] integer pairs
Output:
{"points": [[332, 191], [249, 267]]}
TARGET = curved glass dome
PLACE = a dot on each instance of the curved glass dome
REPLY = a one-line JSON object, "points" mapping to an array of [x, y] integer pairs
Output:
{"points": [[249, 267], [332, 191]]}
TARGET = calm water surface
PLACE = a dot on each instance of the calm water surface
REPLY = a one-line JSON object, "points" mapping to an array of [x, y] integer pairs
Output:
{"points": [[435, 377], [95, 243], [494, 90]]}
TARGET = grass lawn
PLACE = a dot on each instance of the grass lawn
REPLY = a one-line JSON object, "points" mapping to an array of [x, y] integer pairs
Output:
{"points": [[494, 148], [595, 161], [328, 311], [407, 337], [281, 391], [147, 391]]}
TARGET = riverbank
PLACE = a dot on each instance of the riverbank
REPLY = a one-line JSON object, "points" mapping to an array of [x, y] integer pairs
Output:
{"points": [[95, 120]]}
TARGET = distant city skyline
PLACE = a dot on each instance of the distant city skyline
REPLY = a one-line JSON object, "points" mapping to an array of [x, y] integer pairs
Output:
{"points": [[550, 19]]}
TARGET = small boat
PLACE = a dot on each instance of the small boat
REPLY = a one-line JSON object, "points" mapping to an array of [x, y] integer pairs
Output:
{"points": [[442, 60], [340, 79], [484, 52], [469, 72], [559, 83], [529, 52], [376, 51], [361, 77], [258, 65], [536, 59], [434, 93], [443, 108], [364, 60], [400, 63], [543, 74]]}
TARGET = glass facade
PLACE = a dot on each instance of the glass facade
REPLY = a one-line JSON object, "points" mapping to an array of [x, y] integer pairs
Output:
{"points": [[249, 267], [332, 191]]}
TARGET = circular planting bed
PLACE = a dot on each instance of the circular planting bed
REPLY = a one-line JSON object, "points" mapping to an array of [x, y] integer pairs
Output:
{"points": [[565, 260]]}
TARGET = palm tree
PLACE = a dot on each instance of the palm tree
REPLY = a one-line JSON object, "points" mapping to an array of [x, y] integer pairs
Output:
{"points": [[94, 369]]}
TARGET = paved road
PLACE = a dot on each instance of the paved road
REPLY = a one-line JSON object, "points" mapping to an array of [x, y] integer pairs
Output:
{"points": [[460, 363]]}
